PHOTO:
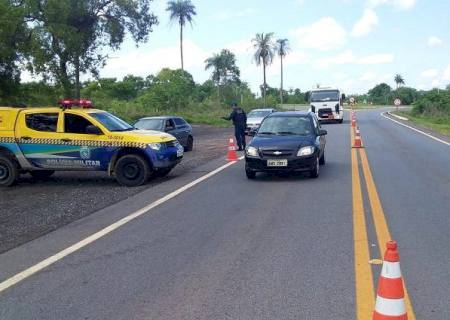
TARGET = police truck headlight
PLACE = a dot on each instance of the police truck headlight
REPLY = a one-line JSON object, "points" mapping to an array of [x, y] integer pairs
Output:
{"points": [[252, 152], [155, 146], [305, 151]]}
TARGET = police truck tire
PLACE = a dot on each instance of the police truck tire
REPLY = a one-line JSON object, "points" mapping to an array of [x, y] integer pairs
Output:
{"points": [[132, 170], [42, 175], [9, 171]]}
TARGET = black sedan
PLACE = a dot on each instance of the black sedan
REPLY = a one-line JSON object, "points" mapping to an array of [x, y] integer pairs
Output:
{"points": [[176, 126], [287, 142]]}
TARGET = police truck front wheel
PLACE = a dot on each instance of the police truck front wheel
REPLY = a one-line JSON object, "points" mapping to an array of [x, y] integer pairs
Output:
{"points": [[9, 171], [132, 170]]}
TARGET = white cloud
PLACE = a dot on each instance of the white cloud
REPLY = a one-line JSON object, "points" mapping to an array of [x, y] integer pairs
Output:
{"points": [[368, 76], [434, 41], [240, 47], [446, 75], [142, 61], [382, 58], [399, 4], [324, 34], [436, 83], [366, 24], [228, 14], [346, 57], [430, 73]]}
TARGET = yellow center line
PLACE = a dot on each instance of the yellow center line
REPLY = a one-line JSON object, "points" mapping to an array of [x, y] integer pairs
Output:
{"points": [[381, 226], [364, 288]]}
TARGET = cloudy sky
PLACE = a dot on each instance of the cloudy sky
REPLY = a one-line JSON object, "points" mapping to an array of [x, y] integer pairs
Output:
{"points": [[352, 44]]}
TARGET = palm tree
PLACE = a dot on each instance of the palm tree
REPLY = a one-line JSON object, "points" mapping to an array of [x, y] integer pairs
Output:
{"points": [[282, 50], [264, 54], [399, 80], [181, 11]]}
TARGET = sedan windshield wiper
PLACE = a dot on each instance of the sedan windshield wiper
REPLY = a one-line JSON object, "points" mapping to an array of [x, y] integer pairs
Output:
{"points": [[266, 132], [287, 133]]}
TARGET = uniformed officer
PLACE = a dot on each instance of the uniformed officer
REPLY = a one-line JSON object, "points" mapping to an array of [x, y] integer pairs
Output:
{"points": [[239, 119]]}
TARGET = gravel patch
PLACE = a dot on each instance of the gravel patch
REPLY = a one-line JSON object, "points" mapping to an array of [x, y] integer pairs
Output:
{"points": [[33, 208]]}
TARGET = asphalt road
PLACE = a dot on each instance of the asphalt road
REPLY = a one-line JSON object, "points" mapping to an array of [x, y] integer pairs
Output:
{"points": [[230, 248]]}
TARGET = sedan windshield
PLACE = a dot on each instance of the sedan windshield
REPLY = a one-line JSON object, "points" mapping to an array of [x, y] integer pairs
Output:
{"points": [[258, 114], [112, 123], [286, 126], [149, 124], [324, 96]]}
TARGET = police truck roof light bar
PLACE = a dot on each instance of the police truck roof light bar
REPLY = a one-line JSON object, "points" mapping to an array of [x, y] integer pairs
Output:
{"points": [[68, 103]]}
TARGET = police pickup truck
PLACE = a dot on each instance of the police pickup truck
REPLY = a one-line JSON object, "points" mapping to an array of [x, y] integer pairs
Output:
{"points": [[76, 137]]}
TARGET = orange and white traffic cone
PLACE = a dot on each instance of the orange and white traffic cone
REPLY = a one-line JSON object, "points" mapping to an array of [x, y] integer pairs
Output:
{"points": [[232, 155], [353, 122], [357, 143], [390, 303]]}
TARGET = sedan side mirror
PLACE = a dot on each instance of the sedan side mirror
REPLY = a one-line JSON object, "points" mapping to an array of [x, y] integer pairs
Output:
{"points": [[91, 129], [323, 132]]}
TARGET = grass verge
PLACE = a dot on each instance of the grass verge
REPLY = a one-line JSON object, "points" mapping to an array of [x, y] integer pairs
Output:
{"points": [[441, 124]]}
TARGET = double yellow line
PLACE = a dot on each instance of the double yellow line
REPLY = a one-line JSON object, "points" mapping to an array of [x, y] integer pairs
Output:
{"points": [[365, 290]]}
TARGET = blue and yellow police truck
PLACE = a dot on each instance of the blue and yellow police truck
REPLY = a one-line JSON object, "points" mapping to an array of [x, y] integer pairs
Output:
{"points": [[77, 137]]}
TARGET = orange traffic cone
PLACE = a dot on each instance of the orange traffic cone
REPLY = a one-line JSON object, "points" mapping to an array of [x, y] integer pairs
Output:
{"points": [[353, 122], [357, 143], [390, 303], [232, 155]]}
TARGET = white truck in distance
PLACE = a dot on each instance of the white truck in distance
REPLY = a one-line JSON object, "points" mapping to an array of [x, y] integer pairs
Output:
{"points": [[327, 104]]}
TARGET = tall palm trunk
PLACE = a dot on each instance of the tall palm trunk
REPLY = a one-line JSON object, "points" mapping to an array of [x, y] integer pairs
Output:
{"points": [[181, 46], [281, 87], [77, 78], [264, 85]]}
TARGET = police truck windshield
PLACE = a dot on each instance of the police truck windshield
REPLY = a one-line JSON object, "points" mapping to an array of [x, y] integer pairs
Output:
{"points": [[324, 96], [112, 123]]}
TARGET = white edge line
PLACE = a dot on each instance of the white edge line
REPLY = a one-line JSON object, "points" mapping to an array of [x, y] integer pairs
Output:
{"points": [[414, 129], [103, 232]]}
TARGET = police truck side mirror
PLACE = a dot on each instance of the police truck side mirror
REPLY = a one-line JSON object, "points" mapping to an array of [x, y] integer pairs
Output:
{"points": [[343, 97], [91, 129]]}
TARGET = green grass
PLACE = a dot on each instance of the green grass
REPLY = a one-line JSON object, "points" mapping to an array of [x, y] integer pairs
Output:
{"points": [[441, 124]]}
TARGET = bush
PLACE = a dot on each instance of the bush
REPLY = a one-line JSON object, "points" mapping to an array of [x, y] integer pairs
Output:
{"points": [[433, 104]]}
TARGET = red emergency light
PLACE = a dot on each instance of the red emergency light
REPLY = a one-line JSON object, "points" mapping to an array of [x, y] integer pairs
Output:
{"points": [[69, 103]]}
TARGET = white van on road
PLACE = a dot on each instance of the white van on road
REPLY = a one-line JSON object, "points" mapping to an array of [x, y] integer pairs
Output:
{"points": [[327, 104]]}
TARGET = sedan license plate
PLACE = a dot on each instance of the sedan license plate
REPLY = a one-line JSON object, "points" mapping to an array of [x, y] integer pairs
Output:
{"points": [[277, 163]]}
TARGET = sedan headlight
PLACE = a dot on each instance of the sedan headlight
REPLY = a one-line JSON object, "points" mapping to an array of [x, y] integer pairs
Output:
{"points": [[155, 146], [252, 152], [305, 151]]}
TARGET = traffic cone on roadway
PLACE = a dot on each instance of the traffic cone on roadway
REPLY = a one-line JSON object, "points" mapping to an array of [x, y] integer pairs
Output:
{"points": [[390, 303], [357, 143], [232, 155], [353, 122]]}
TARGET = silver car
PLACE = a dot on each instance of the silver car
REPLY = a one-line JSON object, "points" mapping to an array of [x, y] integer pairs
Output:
{"points": [[255, 117]]}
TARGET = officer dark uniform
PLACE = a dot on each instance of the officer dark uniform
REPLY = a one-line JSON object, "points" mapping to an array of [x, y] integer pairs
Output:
{"points": [[239, 119]]}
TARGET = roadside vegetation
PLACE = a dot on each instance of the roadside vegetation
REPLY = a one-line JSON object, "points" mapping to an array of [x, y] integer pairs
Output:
{"points": [[432, 111]]}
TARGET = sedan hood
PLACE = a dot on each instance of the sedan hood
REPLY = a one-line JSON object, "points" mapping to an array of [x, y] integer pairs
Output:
{"points": [[281, 142]]}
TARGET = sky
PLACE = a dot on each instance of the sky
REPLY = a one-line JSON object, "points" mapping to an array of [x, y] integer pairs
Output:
{"points": [[350, 44]]}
